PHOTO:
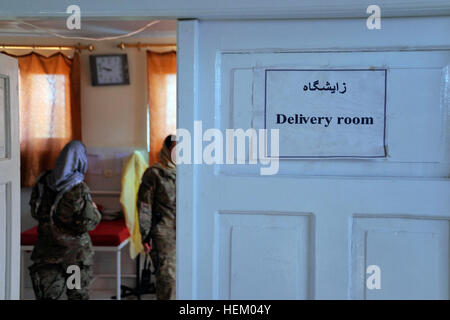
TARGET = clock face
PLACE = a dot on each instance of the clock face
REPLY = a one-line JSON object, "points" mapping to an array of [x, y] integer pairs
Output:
{"points": [[109, 69]]}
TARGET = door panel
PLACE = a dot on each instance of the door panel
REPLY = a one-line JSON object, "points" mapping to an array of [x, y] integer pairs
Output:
{"points": [[9, 179], [4, 113], [242, 89], [260, 267], [311, 231], [3, 279], [413, 252]]}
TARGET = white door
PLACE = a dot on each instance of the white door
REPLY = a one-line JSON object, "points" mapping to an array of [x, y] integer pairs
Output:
{"points": [[9, 179], [320, 228]]}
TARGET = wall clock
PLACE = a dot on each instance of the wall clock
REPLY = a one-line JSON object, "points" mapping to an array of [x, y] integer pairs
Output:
{"points": [[109, 69]]}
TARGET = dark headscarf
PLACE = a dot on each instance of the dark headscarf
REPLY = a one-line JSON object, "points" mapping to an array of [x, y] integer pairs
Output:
{"points": [[70, 168], [69, 171], [164, 156]]}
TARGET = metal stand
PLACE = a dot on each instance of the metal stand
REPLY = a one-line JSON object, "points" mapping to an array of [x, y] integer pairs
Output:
{"points": [[126, 291]]}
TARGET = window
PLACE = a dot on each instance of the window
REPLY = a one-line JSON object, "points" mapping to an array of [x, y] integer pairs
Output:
{"points": [[49, 110]]}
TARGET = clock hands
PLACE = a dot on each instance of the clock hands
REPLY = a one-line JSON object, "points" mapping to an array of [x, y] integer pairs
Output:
{"points": [[107, 69]]}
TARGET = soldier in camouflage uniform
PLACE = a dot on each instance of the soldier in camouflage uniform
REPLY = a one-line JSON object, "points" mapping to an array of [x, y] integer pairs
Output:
{"points": [[157, 218], [62, 204]]}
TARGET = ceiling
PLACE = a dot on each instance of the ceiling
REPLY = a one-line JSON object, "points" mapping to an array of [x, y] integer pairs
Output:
{"points": [[89, 28]]}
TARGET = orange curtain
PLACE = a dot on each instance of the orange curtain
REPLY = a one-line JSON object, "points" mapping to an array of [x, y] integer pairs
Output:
{"points": [[161, 70], [49, 110]]}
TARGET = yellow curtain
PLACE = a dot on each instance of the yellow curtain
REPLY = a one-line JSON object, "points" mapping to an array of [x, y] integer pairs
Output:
{"points": [[49, 102], [161, 70]]}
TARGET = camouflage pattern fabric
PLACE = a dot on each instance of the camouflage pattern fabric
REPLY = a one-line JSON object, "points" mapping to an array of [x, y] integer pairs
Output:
{"points": [[157, 219], [49, 282], [165, 258], [63, 239]]}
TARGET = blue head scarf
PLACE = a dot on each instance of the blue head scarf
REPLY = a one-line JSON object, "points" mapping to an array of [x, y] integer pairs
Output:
{"points": [[69, 170]]}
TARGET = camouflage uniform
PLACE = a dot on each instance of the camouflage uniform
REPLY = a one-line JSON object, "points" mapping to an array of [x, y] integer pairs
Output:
{"points": [[62, 241], [157, 218]]}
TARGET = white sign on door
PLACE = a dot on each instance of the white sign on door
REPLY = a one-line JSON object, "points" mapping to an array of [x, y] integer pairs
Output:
{"points": [[338, 113]]}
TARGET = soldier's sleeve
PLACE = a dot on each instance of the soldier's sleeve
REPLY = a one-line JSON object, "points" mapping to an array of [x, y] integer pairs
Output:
{"points": [[90, 216], [144, 203], [76, 211]]}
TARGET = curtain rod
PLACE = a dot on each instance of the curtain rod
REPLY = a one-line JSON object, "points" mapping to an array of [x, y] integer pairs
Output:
{"points": [[79, 47], [139, 45]]}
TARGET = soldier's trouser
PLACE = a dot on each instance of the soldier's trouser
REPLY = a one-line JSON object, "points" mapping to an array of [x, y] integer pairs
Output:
{"points": [[50, 281], [165, 276]]}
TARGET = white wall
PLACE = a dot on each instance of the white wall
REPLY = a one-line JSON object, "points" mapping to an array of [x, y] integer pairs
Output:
{"points": [[115, 116]]}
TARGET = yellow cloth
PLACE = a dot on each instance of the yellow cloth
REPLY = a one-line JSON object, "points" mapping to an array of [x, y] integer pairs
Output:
{"points": [[132, 172]]}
